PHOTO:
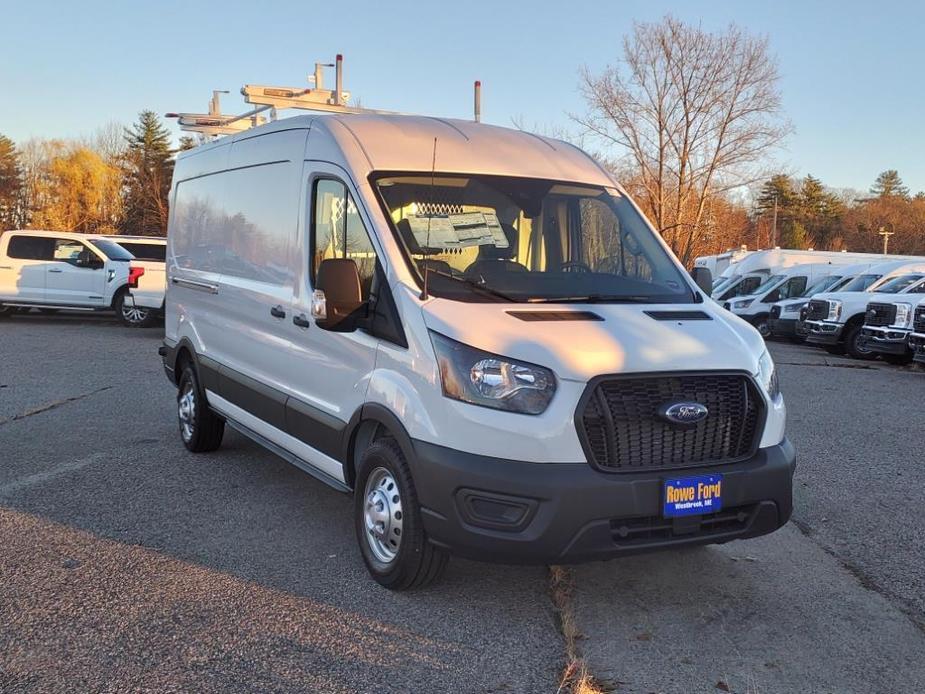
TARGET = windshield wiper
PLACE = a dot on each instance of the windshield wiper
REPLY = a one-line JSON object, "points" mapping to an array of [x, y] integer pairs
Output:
{"points": [[593, 299], [475, 285]]}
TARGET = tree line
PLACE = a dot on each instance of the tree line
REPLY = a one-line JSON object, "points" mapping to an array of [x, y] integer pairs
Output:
{"points": [[114, 182]]}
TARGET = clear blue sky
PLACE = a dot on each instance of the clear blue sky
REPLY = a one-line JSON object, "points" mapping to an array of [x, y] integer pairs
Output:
{"points": [[853, 73]]}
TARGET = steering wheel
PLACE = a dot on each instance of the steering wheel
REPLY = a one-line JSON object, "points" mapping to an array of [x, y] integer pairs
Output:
{"points": [[575, 266]]}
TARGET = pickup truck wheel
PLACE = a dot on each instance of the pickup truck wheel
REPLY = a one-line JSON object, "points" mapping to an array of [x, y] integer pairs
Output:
{"points": [[388, 521], [200, 429], [133, 316], [853, 346]]}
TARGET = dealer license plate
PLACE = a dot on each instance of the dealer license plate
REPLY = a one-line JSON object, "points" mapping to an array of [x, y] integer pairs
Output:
{"points": [[689, 496]]}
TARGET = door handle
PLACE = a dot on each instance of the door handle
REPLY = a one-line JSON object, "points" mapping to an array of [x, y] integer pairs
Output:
{"points": [[302, 321], [6, 267], [277, 312], [55, 269]]}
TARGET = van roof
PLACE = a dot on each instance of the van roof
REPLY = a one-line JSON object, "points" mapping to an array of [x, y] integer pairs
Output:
{"points": [[387, 142], [48, 232]]}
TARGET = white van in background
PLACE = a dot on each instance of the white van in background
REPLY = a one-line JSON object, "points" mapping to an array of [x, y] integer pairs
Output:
{"points": [[745, 276], [888, 320], [834, 319], [718, 263], [783, 284], [54, 270], [784, 316], [476, 332]]}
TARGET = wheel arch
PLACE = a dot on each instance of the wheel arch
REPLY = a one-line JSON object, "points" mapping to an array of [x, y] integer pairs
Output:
{"points": [[371, 422]]}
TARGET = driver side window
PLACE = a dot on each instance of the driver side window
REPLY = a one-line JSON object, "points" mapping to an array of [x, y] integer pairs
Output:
{"points": [[338, 231]]}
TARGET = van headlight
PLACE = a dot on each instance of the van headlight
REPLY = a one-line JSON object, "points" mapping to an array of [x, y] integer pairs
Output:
{"points": [[745, 303], [767, 375], [834, 310], [481, 378], [903, 314], [793, 308]]}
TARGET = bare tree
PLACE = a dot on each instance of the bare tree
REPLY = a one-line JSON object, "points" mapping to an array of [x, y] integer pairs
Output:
{"points": [[693, 112]]}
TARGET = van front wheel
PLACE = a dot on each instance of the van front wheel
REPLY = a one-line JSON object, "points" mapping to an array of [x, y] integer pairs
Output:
{"points": [[388, 521]]}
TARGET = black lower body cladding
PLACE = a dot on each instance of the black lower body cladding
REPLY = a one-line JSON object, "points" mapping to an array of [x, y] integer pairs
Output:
{"points": [[536, 513]]}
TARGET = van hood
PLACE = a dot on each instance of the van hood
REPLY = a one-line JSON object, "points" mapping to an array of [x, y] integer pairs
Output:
{"points": [[625, 339]]}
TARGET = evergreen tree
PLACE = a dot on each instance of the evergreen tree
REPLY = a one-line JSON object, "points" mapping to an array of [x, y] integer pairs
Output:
{"points": [[820, 212], [889, 184], [10, 184], [187, 142], [149, 166]]}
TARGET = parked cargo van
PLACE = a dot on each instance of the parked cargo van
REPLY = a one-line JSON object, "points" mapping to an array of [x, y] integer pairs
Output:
{"points": [[834, 320], [784, 316], [475, 332], [783, 284], [746, 275]]}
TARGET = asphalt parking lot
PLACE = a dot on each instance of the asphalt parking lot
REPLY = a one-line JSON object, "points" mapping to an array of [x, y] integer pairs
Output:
{"points": [[127, 564]]}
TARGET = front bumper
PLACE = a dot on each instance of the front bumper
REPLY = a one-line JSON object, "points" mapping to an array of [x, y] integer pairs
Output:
{"points": [[917, 345], [885, 340], [538, 513], [783, 327], [823, 332]]}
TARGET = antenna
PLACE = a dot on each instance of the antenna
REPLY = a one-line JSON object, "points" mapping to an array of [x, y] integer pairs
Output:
{"points": [[477, 106], [433, 169]]}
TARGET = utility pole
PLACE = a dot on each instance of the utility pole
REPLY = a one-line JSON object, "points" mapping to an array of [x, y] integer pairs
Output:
{"points": [[774, 225], [886, 238]]}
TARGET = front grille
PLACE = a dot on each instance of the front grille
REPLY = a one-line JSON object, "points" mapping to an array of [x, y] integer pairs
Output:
{"points": [[880, 314], [621, 429], [918, 324], [775, 312], [646, 529], [818, 309]]}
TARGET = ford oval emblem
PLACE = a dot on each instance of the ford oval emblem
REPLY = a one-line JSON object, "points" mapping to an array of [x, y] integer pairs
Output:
{"points": [[684, 413]]}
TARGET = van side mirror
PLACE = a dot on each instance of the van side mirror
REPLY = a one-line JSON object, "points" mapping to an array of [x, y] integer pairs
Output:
{"points": [[337, 303], [703, 278]]}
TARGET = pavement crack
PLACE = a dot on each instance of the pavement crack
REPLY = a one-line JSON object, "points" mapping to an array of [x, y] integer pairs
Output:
{"points": [[52, 405], [575, 677], [866, 581]]}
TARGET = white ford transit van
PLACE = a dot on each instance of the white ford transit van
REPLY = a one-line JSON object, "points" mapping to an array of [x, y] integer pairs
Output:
{"points": [[476, 332]]}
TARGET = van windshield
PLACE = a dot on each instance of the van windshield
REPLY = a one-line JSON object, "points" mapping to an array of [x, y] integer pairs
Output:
{"points": [[495, 238], [822, 285], [769, 284], [897, 284], [860, 283]]}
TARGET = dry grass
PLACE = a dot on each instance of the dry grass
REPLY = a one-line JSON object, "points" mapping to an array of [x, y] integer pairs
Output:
{"points": [[575, 678]]}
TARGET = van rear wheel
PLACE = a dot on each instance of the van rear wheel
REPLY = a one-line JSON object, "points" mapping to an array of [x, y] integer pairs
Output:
{"points": [[200, 429], [388, 521]]}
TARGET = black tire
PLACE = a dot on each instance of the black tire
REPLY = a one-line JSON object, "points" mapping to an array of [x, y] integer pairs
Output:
{"points": [[201, 430], [416, 562], [852, 347], [130, 315], [762, 326]]}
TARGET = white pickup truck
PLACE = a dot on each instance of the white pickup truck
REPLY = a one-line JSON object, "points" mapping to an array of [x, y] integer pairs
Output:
{"points": [[146, 280], [834, 320], [53, 270], [917, 336], [888, 322]]}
